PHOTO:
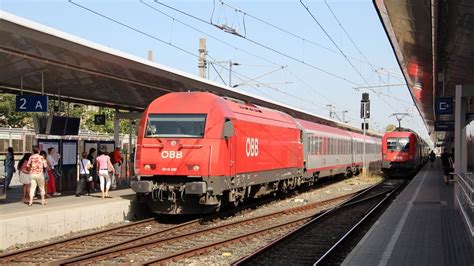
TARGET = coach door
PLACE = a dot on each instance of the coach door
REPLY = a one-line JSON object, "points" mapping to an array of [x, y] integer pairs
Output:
{"points": [[229, 136]]}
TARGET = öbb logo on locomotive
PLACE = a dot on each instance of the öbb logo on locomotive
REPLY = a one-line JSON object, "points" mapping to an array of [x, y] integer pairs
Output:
{"points": [[171, 154], [251, 147]]}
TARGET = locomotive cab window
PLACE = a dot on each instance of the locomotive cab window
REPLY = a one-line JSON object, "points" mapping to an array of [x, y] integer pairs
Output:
{"points": [[398, 144], [175, 125]]}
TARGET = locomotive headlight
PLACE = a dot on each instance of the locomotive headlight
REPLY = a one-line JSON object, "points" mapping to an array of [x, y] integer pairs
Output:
{"points": [[147, 167], [196, 168]]}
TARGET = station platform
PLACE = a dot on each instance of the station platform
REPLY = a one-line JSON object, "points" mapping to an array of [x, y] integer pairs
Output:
{"points": [[421, 227], [20, 224]]}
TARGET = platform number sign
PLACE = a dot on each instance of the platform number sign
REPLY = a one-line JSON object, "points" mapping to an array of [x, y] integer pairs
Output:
{"points": [[31, 103]]}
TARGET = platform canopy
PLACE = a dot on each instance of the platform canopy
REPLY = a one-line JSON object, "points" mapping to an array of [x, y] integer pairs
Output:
{"points": [[433, 42], [43, 60]]}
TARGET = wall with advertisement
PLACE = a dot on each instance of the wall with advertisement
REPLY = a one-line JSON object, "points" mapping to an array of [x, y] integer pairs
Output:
{"points": [[68, 160]]}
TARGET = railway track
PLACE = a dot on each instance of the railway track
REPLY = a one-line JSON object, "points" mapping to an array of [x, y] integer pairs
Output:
{"points": [[89, 243], [105, 242], [196, 239], [315, 241]]}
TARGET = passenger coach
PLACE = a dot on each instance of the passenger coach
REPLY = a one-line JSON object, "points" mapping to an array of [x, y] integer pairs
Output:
{"points": [[197, 151]]}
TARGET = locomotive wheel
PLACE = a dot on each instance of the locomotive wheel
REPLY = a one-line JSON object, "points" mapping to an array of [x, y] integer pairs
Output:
{"points": [[219, 206], [235, 203]]}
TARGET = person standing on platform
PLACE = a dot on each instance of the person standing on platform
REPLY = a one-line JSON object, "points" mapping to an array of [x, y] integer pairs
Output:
{"points": [[46, 173], [24, 177], [9, 165], [53, 160], [91, 157], [37, 163], [104, 165], [432, 157], [117, 160], [84, 175], [445, 157], [132, 162], [451, 163]]}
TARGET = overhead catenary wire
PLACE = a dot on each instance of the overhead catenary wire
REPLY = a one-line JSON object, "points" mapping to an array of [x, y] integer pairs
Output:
{"points": [[349, 61], [218, 73], [207, 34], [349, 36], [335, 44], [305, 40], [242, 77], [134, 29], [263, 45]]}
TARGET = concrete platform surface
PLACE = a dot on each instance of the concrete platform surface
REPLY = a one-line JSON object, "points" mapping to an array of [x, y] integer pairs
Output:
{"points": [[20, 224], [421, 227]]}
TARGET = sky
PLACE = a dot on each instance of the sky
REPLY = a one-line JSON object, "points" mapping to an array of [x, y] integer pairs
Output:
{"points": [[306, 60]]}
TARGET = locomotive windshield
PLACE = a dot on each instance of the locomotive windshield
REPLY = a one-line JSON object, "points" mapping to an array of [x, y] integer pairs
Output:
{"points": [[175, 125], [398, 144]]}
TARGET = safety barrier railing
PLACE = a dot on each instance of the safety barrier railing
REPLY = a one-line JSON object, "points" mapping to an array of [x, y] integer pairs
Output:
{"points": [[465, 198]]}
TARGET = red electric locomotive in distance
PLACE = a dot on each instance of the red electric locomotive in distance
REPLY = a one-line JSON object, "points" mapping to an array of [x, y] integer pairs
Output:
{"points": [[403, 152], [197, 151]]}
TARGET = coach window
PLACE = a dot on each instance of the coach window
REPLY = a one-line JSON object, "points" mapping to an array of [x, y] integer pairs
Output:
{"points": [[333, 146], [330, 146], [320, 142], [326, 146]]}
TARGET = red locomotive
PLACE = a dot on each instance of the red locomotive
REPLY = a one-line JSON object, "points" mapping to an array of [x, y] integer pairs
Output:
{"points": [[403, 152], [197, 151]]}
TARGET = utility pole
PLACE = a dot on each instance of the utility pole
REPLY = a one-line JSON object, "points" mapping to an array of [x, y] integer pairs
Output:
{"points": [[202, 57], [399, 117]]}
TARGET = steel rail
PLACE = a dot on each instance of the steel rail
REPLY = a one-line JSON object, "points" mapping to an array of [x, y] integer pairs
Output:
{"points": [[353, 201], [290, 224], [131, 247], [338, 243], [28, 251]]}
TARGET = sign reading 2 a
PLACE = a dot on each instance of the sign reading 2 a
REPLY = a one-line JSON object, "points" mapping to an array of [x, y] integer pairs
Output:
{"points": [[31, 103], [251, 147]]}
